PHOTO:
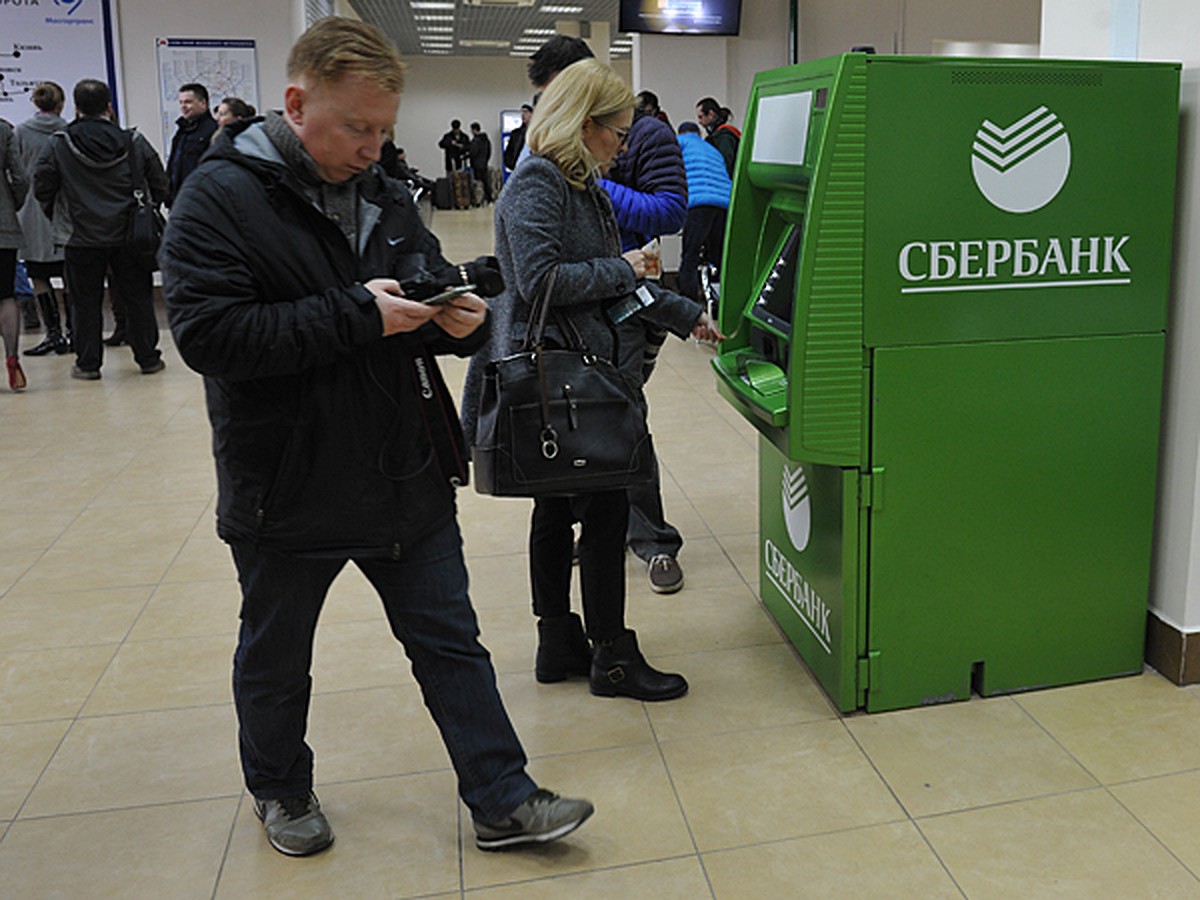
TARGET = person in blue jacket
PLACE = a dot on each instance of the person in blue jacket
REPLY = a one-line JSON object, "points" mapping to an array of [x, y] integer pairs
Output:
{"points": [[709, 187]]}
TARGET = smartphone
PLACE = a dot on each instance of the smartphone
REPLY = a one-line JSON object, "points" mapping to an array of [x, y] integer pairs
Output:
{"points": [[449, 294]]}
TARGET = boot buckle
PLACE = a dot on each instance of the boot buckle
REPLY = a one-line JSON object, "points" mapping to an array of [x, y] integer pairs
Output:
{"points": [[615, 675]]}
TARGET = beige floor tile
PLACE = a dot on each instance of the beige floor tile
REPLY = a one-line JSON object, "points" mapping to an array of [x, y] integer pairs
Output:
{"points": [[394, 837], [753, 786], [698, 619], [1073, 845], [16, 564], [743, 551], [566, 718], [352, 599], [37, 527], [500, 581], [637, 819], [142, 758], [493, 525], [738, 690], [165, 851], [674, 879], [962, 755], [510, 635], [373, 733], [352, 655], [151, 480], [1168, 807], [109, 562], [190, 609], [880, 861], [1124, 728], [49, 684], [25, 749], [203, 556], [165, 674], [33, 621]]}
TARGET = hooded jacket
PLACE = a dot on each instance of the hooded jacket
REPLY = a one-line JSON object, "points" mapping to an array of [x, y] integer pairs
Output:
{"points": [[89, 165], [708, 182], [33, 137], [325, 433]]}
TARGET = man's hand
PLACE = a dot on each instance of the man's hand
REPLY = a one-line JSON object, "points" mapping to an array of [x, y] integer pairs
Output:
{"points": [[462, 315], [398, 314], [637, 262]]}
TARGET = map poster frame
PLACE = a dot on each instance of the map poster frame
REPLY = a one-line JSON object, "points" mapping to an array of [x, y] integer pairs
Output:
{"points": [[228, 67]]}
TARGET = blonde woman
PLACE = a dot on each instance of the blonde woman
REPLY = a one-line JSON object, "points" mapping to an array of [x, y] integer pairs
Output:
{"points": [[552, 215]]}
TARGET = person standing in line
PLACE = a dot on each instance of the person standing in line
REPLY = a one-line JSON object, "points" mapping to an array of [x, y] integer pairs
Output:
{"points": [[456, 147], [480, 153], [43, 255], [91, 167], [336, 439], [14, 185], [233, 109], [709, 188], [194, 130], [553, 220], [722, 135]]}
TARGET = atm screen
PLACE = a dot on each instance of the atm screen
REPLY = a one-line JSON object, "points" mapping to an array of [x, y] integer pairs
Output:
{"points": [[777, 298]]}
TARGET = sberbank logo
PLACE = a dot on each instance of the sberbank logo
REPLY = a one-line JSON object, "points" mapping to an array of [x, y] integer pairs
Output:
{"points": [[1022, 167], [797, 511]]}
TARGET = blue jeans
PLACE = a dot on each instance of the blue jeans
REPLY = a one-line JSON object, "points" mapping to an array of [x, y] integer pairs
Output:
{"points": [[425, 597]]}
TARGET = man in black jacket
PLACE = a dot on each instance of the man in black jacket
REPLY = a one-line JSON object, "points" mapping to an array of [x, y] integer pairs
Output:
{"points": [[334, 436], [92, 166], [480, 152], [194, 130]]}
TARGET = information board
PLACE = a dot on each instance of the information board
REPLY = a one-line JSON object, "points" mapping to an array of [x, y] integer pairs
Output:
{"points": [[227, 67]]}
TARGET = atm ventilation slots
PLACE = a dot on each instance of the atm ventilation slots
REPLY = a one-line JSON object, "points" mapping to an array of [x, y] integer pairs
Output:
{"points": [[1011, 76]]}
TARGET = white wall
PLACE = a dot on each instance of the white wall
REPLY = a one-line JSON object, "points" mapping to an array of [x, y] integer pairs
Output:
{"points": [[1166, 30], [911, 26], [273, 24]]}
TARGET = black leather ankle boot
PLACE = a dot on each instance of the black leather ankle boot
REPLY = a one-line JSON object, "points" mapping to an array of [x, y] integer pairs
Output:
{"points": [[563, 649], [620, 670], [54, 342]]}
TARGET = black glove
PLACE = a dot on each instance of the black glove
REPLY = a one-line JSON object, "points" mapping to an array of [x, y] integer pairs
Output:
{"points": [[483, 272]]}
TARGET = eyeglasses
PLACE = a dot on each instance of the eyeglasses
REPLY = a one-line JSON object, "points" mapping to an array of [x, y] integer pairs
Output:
{"points": [[621, 133]]}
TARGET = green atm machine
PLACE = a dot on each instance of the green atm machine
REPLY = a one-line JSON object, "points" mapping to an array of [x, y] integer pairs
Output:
{"points": [[945, 294]]}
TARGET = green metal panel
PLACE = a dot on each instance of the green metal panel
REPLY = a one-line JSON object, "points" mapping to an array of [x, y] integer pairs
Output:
{"points": [[1018, 198], [1016, 530], [809, 525]]}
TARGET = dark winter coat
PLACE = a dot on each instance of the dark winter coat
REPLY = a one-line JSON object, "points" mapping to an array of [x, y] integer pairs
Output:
{"points": [[191, 141], [88, 164], [325, 433], [647, 184]]}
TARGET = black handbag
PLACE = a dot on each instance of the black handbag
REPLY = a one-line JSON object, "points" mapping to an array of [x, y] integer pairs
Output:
{"points": [[555, 422], [143, 234]]}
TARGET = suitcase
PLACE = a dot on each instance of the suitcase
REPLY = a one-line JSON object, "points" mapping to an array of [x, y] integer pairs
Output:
{"points": [[464, 189], [443, 194]]}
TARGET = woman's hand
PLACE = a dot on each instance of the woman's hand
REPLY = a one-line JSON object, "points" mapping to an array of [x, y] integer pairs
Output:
{"points": [[462, 315], [637, 262]]}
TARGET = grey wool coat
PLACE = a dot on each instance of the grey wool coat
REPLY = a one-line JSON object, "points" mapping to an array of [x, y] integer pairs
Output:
{"points": [[33, 137], [542, 223], [14, 186]]}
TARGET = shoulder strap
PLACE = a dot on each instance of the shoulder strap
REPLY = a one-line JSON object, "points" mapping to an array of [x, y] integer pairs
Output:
{"points": [[135, 170]]}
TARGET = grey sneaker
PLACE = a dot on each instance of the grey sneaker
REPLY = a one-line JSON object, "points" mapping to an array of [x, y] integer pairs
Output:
{"points": [[664, 573], [543, 817], [295, 825]]}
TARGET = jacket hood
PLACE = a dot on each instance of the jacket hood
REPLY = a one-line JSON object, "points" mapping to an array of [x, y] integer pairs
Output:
{"points": [[97, 142], [45, 123]]}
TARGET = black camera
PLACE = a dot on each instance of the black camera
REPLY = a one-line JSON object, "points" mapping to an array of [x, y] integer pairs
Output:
{"points": [[483, 272]]}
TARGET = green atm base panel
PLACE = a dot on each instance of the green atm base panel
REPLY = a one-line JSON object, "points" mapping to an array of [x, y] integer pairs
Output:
{"points": [[977, 554]]}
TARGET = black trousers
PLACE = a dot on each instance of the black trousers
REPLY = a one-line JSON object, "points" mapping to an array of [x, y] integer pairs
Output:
{"points": [[703, 241], [601, 559], [85, 271], [481, 175]]}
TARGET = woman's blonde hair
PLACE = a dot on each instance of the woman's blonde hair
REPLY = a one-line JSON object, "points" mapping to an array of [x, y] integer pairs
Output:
{"points": [[584, 89]]}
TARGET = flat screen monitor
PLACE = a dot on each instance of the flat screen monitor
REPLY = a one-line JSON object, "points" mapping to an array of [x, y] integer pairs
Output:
{"points": [[777, 299], [720, 17]]}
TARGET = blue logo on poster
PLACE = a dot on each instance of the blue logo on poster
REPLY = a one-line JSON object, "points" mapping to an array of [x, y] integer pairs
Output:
{"points": [[73, 4]]}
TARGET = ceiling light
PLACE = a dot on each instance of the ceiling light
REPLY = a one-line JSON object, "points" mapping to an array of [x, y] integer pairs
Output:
{"points": [[435, 29], [546, 31], [560, 10], [431, 4], [434, 17], [483, 42]]}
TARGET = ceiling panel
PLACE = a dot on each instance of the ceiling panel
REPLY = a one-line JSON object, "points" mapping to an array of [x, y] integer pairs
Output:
{"points": [[460, 28]]}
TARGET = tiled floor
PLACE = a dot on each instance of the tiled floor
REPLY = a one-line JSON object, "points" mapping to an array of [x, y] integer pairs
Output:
{"points": [[118, 771]]}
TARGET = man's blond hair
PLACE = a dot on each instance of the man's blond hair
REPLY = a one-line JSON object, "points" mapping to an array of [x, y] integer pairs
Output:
{"points": [[335, 47], [588, 88]]}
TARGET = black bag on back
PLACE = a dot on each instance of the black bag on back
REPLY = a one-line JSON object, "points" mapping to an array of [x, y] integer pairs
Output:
{"points": [[558, 422]]}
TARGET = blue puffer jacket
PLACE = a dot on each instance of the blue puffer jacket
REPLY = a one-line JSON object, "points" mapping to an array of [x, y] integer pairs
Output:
{"points": [[647, 184], [708, 182]]}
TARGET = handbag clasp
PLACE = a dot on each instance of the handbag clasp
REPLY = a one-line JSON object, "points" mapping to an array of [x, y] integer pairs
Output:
{"points": [[549, 442]]}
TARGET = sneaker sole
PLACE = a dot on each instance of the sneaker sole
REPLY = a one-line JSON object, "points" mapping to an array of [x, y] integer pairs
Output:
{"points": [[667, 589], [516, 840]]}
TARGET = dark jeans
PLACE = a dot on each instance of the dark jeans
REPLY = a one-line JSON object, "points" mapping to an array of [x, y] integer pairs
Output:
{"points": [[703, 241], [426, 601], [85, 268], [649, 532], [601, 559]]}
